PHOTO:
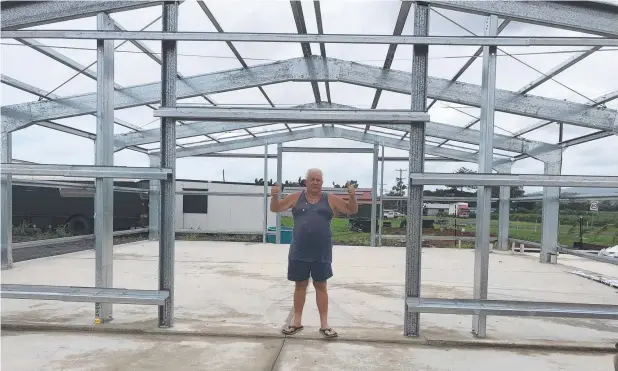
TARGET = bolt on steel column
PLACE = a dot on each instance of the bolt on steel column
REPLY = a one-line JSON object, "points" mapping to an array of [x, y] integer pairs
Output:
{"points": [[483, 212], [374, 194], [167, 230], [104, 156], [6, 203], [416, 158]]}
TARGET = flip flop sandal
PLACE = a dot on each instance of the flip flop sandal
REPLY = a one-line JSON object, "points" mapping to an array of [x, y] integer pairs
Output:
{"points": [[291, 330], [328, 332]]}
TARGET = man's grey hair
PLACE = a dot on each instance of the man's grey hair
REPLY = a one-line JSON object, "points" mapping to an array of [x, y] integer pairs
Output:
{"points": [[313, 170]]}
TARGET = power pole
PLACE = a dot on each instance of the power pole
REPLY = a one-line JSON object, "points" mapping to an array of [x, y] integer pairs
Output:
{"points": [[400, 178]]}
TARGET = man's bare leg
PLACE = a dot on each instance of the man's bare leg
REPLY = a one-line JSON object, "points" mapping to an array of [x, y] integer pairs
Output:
{"points": [[321, 298], [300, 293]]}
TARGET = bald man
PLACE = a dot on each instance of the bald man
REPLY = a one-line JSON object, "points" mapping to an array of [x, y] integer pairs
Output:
{"points": [[311, 249]]}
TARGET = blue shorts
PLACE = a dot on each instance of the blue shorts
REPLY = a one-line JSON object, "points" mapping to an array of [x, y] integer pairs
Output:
{"points": [[300, 271]]}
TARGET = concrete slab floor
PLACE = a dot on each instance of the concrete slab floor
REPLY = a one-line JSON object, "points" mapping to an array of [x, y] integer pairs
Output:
{"points": [[241, 288], [23, 351]]}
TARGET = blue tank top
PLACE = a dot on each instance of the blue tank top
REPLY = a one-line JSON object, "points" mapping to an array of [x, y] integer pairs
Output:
{"points": [[312, 236]]}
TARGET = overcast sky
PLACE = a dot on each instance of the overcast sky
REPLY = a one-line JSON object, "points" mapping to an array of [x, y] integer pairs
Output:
{"points": [[594, 76]]}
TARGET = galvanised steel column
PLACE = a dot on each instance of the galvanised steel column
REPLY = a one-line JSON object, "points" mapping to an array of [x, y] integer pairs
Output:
{"points": [[381, 199], [416, 156], [279, 181], [154, 203], [265, 224], [6, 204], [503, 212], [168, 160], [374, 194], [551, 209], [483, 219], [104, 156]]}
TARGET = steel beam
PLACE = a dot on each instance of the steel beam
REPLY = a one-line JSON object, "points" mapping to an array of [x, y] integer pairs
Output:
{"points": [[83, 294], [85, 171], [580, 16], [512, 308], [327, 150], [265, 223], [374, 195], [381, 214], [167, 238], [191, 129], [483, 205], [404, 10], [457, 133], [418, 88], [269, 115], [504, 208], [280, 184], [550, 213], [320, 132], [104, 156], [21, 14], [6, 202], [301, 28], [316, 68], [433, 129], [154, 202], [524, 180], [312, 38]]}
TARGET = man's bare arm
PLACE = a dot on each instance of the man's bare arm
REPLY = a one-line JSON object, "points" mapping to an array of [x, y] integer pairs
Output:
{"points": [[347, 207], [287, 202]]}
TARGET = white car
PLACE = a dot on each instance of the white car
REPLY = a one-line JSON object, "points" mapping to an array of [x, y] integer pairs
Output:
{"points": [[610, 252], [389, 214]]}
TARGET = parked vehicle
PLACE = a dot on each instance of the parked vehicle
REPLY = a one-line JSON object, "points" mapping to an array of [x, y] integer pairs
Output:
{"points": [[49, 208]]}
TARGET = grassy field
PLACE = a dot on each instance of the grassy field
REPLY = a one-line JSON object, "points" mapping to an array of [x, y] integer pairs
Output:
{"points": [[606, 234]]}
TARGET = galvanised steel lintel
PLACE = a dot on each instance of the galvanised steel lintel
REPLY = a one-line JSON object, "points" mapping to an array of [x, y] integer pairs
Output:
{"points": [[312, 38], [316, 68], [20, 14], [85, 171], [327, 150], [581, 16], [514, 180], [511, 308], [310, 116]]}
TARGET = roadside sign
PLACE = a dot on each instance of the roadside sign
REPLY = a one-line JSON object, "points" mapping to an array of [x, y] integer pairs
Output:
{"points": [[594, 206]]}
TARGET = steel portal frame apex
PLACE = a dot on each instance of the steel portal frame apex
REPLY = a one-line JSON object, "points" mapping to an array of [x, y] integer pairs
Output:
{"points": [[316, 68], [514, 180], [319, 116], [312, 38]]}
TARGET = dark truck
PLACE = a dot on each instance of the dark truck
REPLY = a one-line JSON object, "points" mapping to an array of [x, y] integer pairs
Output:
{"points": [[49, 208], [361, 221]]}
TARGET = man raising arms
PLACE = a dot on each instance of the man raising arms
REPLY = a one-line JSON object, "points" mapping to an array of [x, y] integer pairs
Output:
{"points": [[311, 249]]}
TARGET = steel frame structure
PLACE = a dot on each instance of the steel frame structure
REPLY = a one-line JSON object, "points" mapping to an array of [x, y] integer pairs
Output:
{"points": [[311, 121]]}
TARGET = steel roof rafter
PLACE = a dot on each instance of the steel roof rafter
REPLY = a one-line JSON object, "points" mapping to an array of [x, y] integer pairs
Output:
{"points": [[317, 69], [587, 17], [241, 60], [21, 14], [319, 132], [152, 55], [404, 10]]}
